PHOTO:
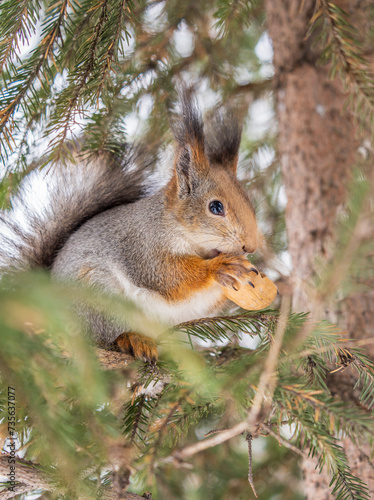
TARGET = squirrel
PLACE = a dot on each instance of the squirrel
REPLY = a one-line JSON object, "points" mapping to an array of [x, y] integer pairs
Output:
{"points": [[168, 252]]}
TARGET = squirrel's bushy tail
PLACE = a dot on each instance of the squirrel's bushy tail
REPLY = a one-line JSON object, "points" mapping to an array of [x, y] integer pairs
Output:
{"points": [[39, 223]]}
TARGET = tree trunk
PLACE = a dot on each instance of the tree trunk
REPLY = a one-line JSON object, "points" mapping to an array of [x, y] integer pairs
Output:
{"points": [[318, 147]]}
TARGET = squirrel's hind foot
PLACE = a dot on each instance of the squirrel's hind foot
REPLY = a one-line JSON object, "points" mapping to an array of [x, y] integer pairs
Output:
{"points": [[137, 345]]}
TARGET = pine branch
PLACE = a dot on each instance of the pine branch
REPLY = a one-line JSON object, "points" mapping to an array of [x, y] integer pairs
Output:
{"points": [[91, 74], [265, 387], [29, 71], [217, 328], [365, 368], [183, 420], [319, 442], [68, 100], [137, 413], [109, 55], [348, 487], [105, 131], [232, 15], [343, 50], [18, 22], [340, 416]]}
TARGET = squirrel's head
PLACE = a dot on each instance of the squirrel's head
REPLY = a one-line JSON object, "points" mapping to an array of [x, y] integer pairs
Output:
{"points": [[213, 210]]}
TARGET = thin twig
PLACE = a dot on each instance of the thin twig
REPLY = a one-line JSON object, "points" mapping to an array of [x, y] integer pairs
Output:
{"points": [[281, 440], [250, 470], [214, 431]]}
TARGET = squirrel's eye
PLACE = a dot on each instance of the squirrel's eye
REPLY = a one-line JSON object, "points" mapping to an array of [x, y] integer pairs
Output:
{"points": [[216, 207]]}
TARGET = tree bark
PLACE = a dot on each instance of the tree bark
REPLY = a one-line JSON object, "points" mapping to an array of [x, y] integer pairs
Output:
{"points": [[318, 144]]}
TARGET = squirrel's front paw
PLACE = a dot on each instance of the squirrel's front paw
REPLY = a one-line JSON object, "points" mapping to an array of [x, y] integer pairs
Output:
{"points": [[231, 269], [138, 345]]}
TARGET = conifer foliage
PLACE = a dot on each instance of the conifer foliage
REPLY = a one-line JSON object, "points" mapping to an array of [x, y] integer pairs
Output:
{"points": [[213, 418]]}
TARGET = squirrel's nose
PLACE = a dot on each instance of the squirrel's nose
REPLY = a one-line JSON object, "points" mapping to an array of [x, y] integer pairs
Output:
{"points": [[248, 249]]}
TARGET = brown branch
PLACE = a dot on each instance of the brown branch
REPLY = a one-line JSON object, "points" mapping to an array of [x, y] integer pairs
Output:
{"points": [[30, 477], [220, 438], [113, 360]]}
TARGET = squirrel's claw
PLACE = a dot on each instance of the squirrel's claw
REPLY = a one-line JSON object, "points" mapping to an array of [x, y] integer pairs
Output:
{"points": [[231, 269], [137, 345]]}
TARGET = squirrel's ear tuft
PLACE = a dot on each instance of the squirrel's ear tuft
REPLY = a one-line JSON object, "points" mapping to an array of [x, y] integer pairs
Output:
{"points": [[188, 177], [188, 129], [223, 138], [191, 162]]}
